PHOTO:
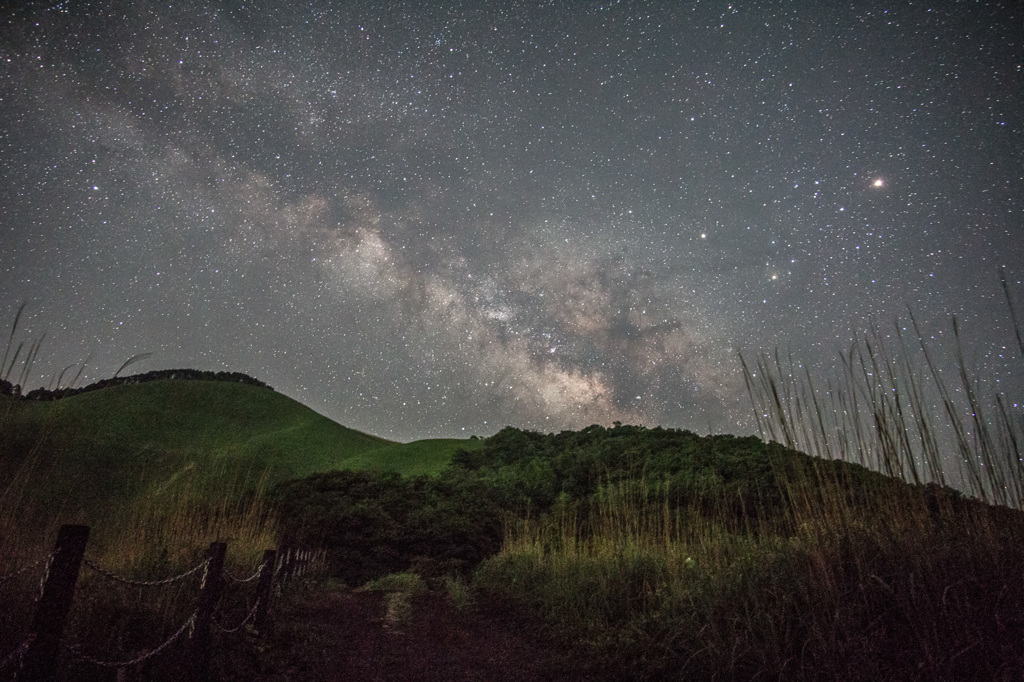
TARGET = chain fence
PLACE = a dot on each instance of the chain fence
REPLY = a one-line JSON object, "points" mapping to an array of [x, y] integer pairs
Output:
{"points": [[37, 656], [18, 654], [19, 651], [48, 561], [248, 618], [144, 583], [257, 574], [76, 651]]}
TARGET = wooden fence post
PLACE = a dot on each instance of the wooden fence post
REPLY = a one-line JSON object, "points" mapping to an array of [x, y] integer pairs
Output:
{"points": [[209, 595], [58, 589], [263, 590]]}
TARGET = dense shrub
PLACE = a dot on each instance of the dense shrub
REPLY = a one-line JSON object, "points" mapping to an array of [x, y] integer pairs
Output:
{"points": [[528, 472], [374, 523]]}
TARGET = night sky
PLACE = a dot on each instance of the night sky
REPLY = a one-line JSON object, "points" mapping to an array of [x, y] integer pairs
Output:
{"points": [[437, 219]]}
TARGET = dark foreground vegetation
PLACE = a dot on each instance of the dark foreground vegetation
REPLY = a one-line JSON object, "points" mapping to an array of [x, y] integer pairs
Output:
{"points": [[375, 523], [675, 556]]}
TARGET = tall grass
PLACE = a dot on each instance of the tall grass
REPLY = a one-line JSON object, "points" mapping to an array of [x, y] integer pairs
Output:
{"points": [[921, 585], [156, 535], [159, 530], [17, 499], [902, 581], [893, 410]]}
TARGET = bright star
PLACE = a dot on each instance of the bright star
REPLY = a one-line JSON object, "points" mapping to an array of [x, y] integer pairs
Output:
{"points": [[879, 182]]}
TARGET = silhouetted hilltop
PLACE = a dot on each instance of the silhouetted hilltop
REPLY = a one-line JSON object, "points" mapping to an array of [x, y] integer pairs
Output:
{"points": [[42, 394]]}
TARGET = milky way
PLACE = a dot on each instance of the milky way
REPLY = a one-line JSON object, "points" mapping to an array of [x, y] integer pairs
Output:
{"points": [[436, 219]]}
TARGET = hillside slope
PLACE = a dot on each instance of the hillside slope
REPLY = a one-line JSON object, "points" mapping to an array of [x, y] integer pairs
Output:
{"points": [[99, 448], [419, 458]]}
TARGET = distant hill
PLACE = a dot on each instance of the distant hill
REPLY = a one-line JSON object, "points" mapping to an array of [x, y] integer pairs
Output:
{"points": [[97, 448]]}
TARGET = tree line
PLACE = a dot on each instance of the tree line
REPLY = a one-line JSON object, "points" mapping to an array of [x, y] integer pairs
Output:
{"points": [[374, 523]]}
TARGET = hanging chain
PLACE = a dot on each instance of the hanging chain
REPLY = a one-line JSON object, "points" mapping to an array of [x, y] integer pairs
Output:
{"points": [[143, 583]]}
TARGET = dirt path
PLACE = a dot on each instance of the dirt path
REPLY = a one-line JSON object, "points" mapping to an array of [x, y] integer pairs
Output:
{"points": [[347, 635]]}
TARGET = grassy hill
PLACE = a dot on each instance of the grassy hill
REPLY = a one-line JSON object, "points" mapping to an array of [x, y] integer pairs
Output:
{"points": [[86, 454]]}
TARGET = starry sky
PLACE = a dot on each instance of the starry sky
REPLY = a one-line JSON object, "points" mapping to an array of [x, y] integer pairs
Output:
{"points": [[429, 219]]}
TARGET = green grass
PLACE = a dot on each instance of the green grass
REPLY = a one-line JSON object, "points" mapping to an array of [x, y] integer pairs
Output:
{"points": [[426, 457], [83, 455], [216, 420], [397, 582]]}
